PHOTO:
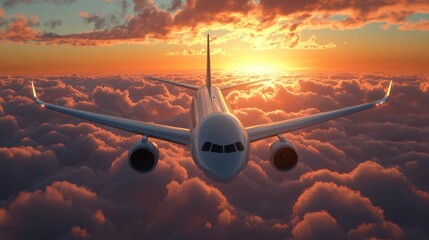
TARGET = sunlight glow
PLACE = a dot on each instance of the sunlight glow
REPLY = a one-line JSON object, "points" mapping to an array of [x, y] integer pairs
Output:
{"points": [[257, 68]]}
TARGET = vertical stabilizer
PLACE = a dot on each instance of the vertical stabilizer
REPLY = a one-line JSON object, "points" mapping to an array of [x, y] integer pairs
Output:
{"points": [[208, 73]]}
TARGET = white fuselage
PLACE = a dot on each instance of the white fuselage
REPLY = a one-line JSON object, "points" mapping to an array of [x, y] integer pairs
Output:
{"points": [[219, 143]]}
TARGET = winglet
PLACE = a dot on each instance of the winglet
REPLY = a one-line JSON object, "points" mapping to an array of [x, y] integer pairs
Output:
{"points": [[35, 96], [387, 96], [34, 90]]}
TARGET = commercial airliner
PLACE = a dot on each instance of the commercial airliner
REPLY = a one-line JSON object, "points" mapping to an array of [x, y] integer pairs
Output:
{"points": [[219, 143]]}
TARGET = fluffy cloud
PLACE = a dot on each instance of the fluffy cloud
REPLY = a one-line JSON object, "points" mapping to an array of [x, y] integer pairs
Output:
{"points": [[21, 29], [363, 176], [318, 225]]}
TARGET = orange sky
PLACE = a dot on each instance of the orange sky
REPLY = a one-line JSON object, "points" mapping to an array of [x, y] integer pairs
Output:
{"points": [[285, 42]]}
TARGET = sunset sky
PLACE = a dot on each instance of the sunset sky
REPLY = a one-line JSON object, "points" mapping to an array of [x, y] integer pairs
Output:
{"points": [[364, 176], [140, 36]]}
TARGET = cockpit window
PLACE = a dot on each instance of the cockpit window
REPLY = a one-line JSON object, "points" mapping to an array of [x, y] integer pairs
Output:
{"points": [[206, 146], [239, 146], [229, 148], [217, 148]]}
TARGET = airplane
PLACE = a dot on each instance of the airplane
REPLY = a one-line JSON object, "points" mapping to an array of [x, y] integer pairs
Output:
{"points": [[219, 143]]}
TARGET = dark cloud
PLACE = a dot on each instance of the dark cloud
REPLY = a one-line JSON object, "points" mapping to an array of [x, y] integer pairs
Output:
{"points": [[364, 176], [21, 167], [175, 5], [100, 22], [53, 23]]}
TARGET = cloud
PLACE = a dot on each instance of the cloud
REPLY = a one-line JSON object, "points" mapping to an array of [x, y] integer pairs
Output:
{"points": [[311, 44], [363, 176], [175, 5], [201, 52], [22, 166], [80, 232], [266, 24], [389, 181], [348, 207], [422, 25], [53, 23], [197, 202], [318, 225], [21, 29], [100, 22], [50, 213], [204, 11]]}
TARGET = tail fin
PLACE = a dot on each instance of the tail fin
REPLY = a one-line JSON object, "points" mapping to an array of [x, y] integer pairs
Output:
{"points": [[208, 73]]}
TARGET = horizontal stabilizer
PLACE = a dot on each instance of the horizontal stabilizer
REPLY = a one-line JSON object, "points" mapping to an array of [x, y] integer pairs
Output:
{"points": [[240, 85], [185, 85]]}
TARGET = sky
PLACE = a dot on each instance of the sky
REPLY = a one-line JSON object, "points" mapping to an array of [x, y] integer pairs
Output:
{"points": [[140, 36], [364, 176]]}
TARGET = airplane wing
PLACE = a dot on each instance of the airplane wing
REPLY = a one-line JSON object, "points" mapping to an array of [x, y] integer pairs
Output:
{"points": [[240, 85], [190, 86], [262, 131], [168, 133]]}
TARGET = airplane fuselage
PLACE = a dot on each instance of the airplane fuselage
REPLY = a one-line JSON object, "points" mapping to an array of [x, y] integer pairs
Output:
{"points": [[219, 142]]}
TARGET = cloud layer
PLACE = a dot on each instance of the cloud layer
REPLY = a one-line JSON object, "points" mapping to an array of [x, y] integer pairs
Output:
{"points": [[364, 176]]}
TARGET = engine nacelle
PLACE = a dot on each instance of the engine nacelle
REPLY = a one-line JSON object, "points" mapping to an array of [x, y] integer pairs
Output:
{"points": [[283, 155], [143, 156]]}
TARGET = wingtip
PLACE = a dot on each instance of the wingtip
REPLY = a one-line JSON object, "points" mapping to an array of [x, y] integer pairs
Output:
{"points": [[388, 92], [34, 90], [36, 99], [390, 87]]}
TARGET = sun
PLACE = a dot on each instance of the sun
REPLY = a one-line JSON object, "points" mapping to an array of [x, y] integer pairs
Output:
{"points": [[256, 68], [257, 64]]}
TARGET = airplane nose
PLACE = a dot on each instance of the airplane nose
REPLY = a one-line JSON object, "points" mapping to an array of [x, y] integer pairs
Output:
{"points": [[221, 147], [222, 167]]}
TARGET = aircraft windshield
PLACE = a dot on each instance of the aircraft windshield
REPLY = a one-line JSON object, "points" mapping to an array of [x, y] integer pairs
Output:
{"points": [[216, 148]]}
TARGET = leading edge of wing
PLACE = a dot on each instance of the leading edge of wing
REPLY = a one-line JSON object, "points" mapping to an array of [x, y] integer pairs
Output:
{"points": [[262, 131], [167, 133], [185, 85]]}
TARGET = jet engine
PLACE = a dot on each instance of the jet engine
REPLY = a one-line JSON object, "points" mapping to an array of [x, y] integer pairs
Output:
{"points": [[283, 155], [143, 156]]}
